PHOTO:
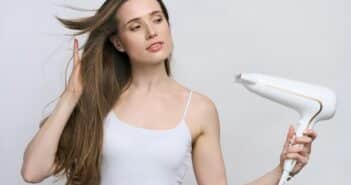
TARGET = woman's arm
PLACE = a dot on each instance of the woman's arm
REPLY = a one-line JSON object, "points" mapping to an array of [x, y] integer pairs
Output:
{"points": [[40, 152], [207, 156], [39, 155], [270, 178]]}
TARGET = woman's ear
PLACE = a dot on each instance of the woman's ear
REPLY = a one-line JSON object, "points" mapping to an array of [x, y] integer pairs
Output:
{"points": [[117, 43]]}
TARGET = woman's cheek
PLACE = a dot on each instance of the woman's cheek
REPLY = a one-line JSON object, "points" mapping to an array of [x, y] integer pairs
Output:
{"points": [[135, 47], [170, 45]]}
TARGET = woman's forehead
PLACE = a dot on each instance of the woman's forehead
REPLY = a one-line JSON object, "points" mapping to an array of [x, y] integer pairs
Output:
{"points": [[132, 9]]}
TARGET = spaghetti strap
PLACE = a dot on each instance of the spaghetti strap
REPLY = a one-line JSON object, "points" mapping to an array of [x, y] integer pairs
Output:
{"points": [[187, 104]]}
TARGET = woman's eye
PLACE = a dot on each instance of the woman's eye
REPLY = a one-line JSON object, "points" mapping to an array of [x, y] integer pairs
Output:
{"points": [[159, 20], [134, 28]]}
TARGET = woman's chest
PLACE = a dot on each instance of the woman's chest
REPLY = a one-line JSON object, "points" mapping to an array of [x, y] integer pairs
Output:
{"points": [[122, 143]]}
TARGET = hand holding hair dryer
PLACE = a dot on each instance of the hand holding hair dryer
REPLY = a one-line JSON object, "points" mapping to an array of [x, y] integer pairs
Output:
{"points": [[313, 102]]}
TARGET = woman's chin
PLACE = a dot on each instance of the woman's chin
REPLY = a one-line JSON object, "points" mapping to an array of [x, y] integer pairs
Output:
{"points": [[153, 58], [157, 57], [156, 60]]}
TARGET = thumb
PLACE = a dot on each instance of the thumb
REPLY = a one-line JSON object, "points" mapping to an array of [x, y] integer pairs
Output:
{"points": [[290, 136]]}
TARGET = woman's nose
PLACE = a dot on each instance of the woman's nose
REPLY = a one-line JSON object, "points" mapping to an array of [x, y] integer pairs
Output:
{"points": [[150, 31]]}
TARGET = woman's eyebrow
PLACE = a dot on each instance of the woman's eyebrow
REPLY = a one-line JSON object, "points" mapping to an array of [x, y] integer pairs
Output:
{"points": [[138, 18]]}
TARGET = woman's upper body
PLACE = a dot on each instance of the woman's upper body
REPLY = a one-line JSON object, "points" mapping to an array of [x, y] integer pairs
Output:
{"points": [[152, 135], [156, 101]]}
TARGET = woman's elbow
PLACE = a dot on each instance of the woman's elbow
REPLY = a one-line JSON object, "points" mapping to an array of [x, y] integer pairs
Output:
{"points": [[29, 177]]}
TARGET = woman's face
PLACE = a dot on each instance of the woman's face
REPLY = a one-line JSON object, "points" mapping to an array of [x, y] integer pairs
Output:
{"points": [[142, 23]]}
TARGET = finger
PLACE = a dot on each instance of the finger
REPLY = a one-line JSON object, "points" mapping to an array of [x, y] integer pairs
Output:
{"points": [[290, 136], [288, 140], [303, 150], [310, 133], [75, 52], [303, 140], [296, 149], [306, 142], [298, 157]]}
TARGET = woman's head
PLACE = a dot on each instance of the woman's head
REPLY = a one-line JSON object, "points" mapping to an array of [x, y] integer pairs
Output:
{"points": [[112, 47], [141, 23]]}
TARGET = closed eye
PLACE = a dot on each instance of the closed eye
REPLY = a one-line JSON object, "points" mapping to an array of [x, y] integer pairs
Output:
{"points": [[135, 28]]}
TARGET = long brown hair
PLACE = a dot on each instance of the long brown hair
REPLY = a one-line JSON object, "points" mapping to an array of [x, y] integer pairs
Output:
{"points": [[106, 72]]}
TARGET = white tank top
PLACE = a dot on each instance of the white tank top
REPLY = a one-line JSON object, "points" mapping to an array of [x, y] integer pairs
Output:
{"points": [[140, 156]]}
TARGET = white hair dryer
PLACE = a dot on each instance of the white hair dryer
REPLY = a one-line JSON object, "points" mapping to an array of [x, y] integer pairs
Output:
{"points": [[313, 103]]}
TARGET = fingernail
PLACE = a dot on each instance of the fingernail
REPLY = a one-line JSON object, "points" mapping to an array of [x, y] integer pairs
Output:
{"points": [[291, 128], [75, 42]]}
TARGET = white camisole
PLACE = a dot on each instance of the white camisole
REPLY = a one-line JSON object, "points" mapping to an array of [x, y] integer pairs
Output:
{"points": [[140, 156]]}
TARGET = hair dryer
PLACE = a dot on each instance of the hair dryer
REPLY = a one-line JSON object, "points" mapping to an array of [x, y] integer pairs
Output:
{"points": [[313, 103]]}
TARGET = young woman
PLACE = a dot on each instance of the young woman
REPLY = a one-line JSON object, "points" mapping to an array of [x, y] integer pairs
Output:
{"points": [[123, 120]]}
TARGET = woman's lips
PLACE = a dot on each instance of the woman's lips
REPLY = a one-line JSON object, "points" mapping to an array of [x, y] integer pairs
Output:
{"points": [[155, 47]]}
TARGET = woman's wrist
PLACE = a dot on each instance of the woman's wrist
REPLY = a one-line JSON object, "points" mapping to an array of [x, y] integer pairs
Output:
{"points": [[70, 98], [279, 171]]}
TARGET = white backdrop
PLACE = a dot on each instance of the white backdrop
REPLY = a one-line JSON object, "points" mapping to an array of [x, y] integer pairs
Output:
{"points": [[214, 40]]}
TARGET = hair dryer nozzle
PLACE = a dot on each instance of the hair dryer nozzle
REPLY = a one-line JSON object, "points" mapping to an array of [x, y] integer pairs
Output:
{"points": [[240, 78]]}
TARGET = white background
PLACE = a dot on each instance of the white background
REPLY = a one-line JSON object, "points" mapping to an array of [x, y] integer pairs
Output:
{"points": [[214, 40]]}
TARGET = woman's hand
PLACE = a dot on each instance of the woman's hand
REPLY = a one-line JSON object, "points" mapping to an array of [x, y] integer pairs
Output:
{"points": [[74, 86], [298, 148]]}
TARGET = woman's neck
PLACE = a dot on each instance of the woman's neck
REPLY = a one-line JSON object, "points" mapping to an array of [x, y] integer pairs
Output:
{"points": [[150, 78]]}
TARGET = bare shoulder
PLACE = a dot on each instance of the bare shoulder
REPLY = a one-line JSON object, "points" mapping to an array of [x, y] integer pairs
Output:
{"points": [[204, 114], [203, 103]]}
